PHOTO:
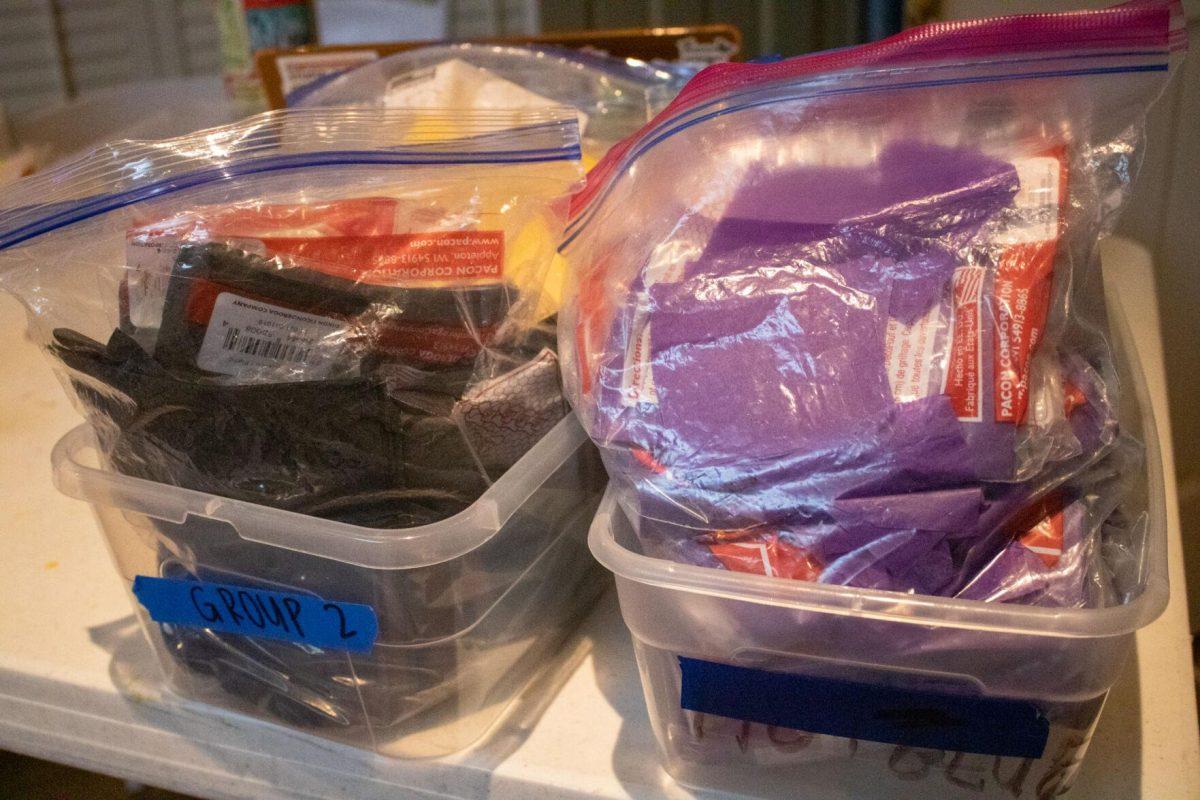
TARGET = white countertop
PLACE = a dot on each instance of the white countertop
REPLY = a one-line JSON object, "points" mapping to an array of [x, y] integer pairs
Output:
{"points": [[67, 639]]}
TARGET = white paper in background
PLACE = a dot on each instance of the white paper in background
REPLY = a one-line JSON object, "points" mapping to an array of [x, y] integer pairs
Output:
{"points": [[303, 68], [915, 354], [363, 21], [457, 84]]}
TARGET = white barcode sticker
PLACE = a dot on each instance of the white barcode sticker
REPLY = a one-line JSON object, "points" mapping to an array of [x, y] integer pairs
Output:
{"points": [[247, 338]]}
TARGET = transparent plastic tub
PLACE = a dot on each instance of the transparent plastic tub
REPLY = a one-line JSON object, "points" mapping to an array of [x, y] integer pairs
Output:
{"points": [[777, 688], [469, 609]]}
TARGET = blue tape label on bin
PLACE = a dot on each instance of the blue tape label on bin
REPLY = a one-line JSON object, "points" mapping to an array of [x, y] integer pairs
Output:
{"points": [[258, 612], [865, 711]]}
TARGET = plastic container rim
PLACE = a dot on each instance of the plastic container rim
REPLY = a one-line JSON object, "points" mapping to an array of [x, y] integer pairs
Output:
{"points": [[374, 548]]}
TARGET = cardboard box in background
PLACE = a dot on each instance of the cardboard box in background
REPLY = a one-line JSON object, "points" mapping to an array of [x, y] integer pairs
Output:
{"points": [[284, 70]]}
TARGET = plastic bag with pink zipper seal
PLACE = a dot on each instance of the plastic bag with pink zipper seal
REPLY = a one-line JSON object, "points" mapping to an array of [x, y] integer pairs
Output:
{"points": [[839, 318]]}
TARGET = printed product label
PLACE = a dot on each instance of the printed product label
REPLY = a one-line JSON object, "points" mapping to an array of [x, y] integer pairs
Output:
{"points": [[151, 249], [257, 612], [766, 555], [637, 377], [278, 23], [1023, 283], [963, 384], [355, 216], [430, 342], [399, 258], [296, 71], [919, 361], [715, 51], [666, 265], [874, 712], [898, 770], [915, 355], [595, 317], [244, 336], [1046, 539]]}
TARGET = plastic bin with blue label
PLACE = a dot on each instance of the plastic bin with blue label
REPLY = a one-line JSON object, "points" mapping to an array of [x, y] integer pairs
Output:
{"points": [[777, 687], [411, 642]]}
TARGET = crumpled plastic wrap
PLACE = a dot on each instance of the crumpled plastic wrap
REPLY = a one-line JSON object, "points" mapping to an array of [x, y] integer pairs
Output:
{"points": [[831, 323]]}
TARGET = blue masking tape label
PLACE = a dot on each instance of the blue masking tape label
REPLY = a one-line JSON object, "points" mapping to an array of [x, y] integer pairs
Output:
{"points": [[865, 711], [258, 612]]}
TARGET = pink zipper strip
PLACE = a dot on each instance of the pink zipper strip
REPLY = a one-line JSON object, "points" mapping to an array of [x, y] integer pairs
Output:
{"points": [[1156, 25]]}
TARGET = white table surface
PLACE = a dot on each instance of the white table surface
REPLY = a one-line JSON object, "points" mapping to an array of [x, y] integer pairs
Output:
{"points": [[67, 638]]}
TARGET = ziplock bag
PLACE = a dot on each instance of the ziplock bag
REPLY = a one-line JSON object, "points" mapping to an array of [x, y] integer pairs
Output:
{"points": [[315, 310], [838, 318], [334, 313], [879, 517], [614, 97]]}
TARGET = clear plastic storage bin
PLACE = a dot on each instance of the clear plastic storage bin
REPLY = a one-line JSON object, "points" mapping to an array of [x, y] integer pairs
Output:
{"points": [[468, 609], [783, 688]]}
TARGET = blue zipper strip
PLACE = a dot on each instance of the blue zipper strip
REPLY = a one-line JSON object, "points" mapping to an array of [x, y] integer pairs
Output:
{"points": [[576, 227], [102, 204]]}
